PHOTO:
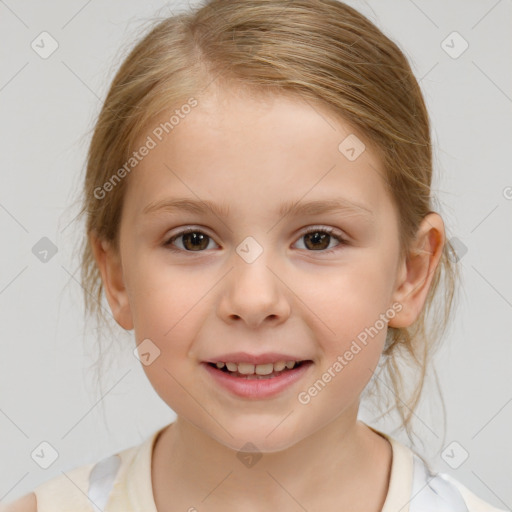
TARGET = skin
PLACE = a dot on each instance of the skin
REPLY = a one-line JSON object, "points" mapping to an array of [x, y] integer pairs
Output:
{"points": [[253, 154]]}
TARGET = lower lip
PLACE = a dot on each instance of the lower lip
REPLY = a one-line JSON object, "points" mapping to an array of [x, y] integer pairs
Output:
{"points": [[257, 388]]}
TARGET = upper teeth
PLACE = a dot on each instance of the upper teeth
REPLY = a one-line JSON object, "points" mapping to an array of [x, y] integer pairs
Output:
{"points": [[258, 369]]}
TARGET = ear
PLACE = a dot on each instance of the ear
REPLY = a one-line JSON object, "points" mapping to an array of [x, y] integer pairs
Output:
{"points": [[109, 264], [417, 271]]}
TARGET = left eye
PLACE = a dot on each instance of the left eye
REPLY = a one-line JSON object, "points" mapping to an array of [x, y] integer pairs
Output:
{"points": [[320, 238], [317, 239]]}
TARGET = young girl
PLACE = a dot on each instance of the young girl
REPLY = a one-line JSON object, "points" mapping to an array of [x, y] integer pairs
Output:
{"points": [[259, 212]]}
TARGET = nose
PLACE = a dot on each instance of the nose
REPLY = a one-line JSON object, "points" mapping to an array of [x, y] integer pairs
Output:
{"points": [[254, 293]]}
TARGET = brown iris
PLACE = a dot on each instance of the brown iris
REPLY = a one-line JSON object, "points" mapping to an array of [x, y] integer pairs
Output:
{"points": [[315, 237], [198, 241]]}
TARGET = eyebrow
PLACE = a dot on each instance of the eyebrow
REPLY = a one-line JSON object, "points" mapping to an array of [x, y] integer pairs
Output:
{"points": [[317, 207]]}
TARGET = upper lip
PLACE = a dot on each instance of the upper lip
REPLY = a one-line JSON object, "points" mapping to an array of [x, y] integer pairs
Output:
{"points": [[244, 357]]}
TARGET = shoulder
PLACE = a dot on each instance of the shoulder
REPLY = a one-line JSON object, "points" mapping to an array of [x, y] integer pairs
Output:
{"points": [[27, 503], [473, 502], [443, 493], [95, 482], [416, 487], [76, 488]]}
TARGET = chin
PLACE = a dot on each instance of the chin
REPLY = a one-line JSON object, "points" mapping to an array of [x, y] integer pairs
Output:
{"points": [[267, 437]]}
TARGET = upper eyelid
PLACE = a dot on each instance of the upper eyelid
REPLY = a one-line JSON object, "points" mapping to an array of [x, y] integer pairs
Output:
{"points": [[319, 227]]}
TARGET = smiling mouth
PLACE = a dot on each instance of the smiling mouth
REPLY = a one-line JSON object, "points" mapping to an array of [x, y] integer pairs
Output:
{"points": [[259, 371]]}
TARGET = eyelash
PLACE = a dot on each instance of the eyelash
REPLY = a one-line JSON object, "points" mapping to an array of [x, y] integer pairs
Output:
{"points": [[330, 231]]}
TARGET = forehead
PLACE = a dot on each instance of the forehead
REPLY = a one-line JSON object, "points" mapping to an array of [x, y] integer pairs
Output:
{"points": [[235, 146]]}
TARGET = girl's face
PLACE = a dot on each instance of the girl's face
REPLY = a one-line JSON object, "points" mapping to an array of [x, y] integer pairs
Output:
{"points": [[253, 283]]}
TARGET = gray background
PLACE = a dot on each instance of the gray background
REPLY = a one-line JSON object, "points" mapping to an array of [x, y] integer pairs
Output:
{"points": [[48, 107]]}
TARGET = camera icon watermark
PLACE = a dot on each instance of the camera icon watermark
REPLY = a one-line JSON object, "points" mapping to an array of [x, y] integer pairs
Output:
{"points": [[249, 455], [459, 249], [44, 250], [146, 352], [44, 454], [454, 45], [249, 249], [44, 45], [454, 455], [351, 147]]}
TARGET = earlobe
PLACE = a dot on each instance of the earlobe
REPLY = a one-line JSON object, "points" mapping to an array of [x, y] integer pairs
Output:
{"points": [[417, 271], [109, 264]]}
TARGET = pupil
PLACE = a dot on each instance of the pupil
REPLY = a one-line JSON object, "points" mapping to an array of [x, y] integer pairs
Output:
{"points": [[195, 238], [317, 237]]}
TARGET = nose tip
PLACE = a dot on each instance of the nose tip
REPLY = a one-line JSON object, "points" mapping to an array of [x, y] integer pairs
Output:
{"points": [[254, 294]]}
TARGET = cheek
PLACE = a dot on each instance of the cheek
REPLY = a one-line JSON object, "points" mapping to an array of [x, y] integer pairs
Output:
{"points": [[169, 382], [349, 314], [167, 310], [163, 297], [345, 301]]}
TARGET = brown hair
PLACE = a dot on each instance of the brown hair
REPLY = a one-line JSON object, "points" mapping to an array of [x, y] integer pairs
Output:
{"points": [[322, 50]]}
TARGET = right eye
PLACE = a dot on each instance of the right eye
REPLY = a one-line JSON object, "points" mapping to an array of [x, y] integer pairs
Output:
{"points": [[193, 241]]}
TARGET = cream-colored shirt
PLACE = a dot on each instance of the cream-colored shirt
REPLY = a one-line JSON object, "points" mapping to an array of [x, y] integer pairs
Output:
{"points": [[122, 483]]}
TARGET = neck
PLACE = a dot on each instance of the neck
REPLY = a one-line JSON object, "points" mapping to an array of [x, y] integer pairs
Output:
{"points": [[348, 461]]}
